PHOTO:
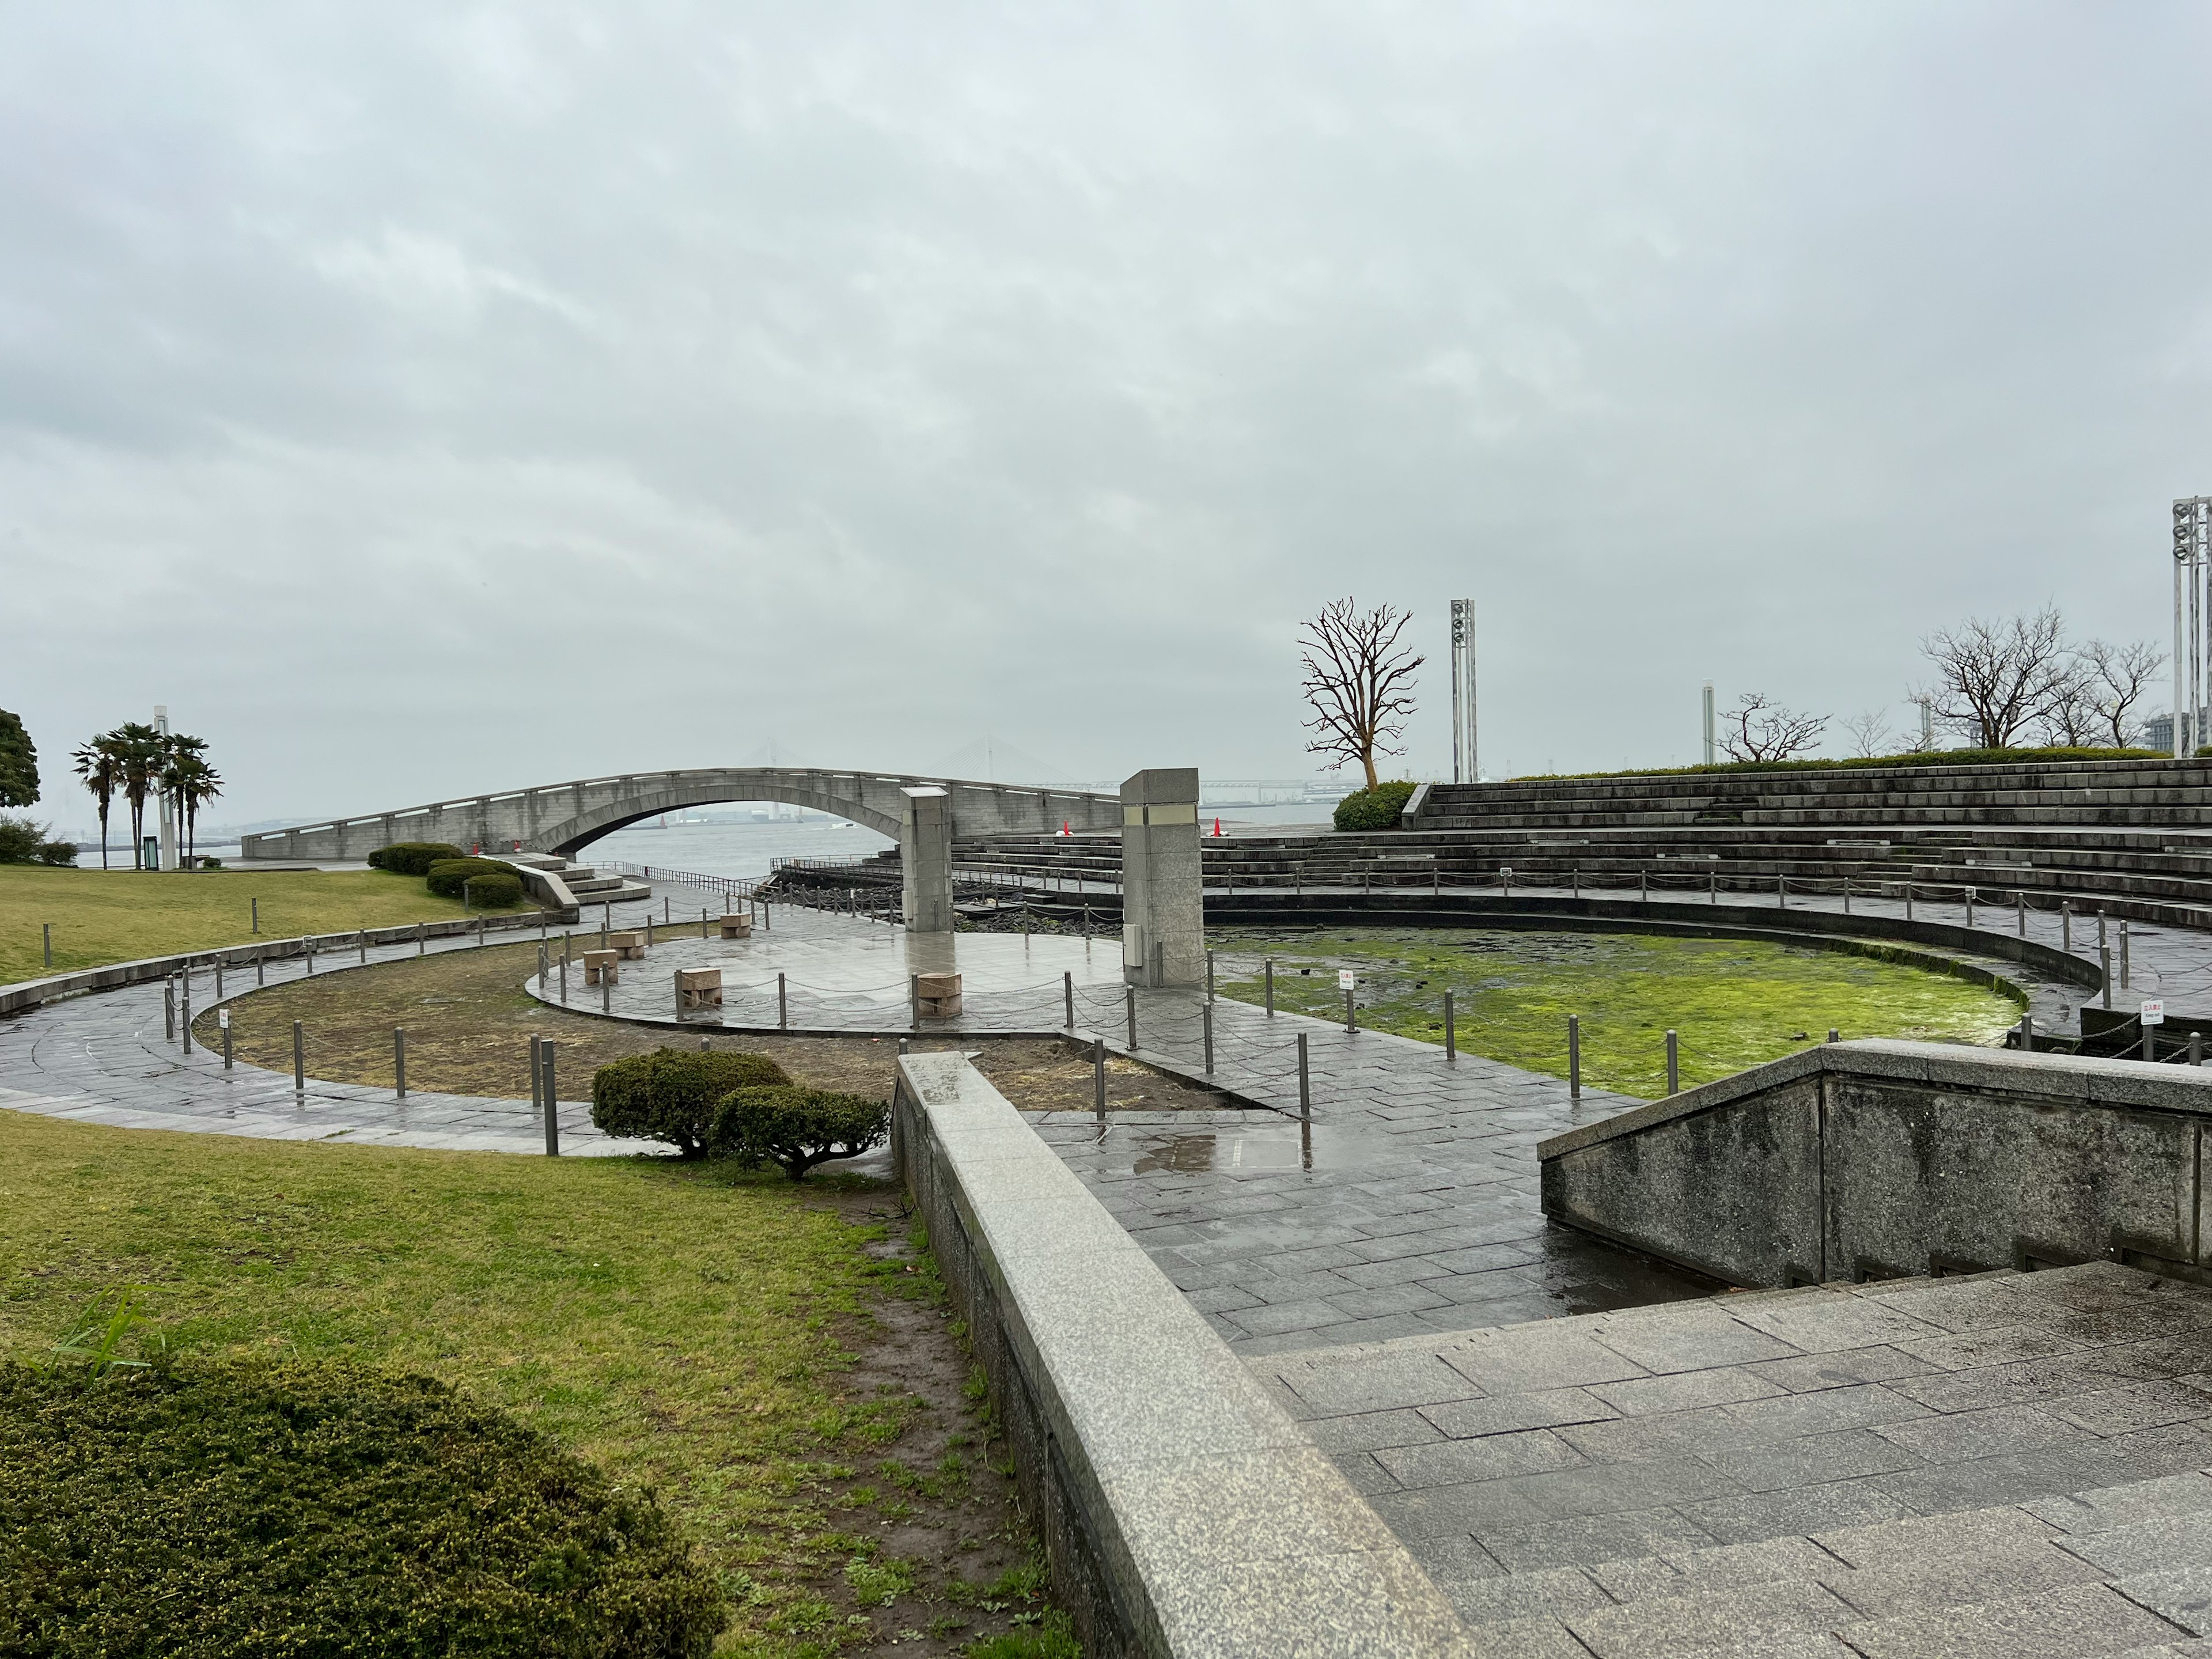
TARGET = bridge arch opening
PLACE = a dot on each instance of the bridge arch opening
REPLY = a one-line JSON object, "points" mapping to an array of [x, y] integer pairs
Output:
{"points": [[733, 835]]}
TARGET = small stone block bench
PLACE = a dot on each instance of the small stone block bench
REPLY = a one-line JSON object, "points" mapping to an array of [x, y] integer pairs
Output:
{"points": [[936, 996], [736, 926], [602, 965], [629, 946], [698, 988]]}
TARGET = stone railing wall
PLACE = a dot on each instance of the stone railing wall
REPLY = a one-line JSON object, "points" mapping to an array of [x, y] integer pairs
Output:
{"points": [[1879, 1159], [1183, 1513]]}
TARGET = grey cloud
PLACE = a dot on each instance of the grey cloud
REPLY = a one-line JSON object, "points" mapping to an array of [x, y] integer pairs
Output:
{"points": [[425, 399]]}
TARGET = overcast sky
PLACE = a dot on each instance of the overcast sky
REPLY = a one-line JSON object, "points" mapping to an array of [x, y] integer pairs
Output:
{"points": [[427, 400]]}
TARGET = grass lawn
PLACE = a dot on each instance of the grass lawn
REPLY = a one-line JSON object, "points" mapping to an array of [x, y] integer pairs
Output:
{"points": [[468, 1023], [103, 916], [1733, 1003], [775, 1361]]}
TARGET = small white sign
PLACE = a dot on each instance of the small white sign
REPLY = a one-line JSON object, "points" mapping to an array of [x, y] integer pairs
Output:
{"points": [[2154, 1013], [223, 1017], [1346, 979]]}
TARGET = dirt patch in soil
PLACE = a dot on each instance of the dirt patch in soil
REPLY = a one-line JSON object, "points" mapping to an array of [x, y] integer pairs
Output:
{"points": [[921, 1548], [469, 1025]]}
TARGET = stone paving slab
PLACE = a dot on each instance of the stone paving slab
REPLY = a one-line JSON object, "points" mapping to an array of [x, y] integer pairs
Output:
{"points": [[1689, 1478]]}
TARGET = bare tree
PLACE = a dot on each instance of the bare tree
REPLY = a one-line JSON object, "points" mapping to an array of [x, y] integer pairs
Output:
{"points": [[2119, 678], [1766, 731], [1359, 681], [1994, 680], [1871, 734], [2070, 720]]}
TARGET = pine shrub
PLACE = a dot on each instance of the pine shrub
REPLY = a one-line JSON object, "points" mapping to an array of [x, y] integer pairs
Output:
{"points": [[224, 1510], [797, 1127], [1374, 809], [412, 858], [672, 1094], [445, 876]]}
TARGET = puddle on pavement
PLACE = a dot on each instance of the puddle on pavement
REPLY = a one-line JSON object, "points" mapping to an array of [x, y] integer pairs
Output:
{"points": [[1286, 1146]]}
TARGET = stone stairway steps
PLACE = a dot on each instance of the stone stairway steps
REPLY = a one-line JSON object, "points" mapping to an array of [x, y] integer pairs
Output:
{"points": [[2000, 1464]]}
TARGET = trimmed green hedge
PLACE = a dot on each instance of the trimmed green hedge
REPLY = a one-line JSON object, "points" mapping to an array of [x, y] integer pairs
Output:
{"points": [[413, 857], [1374, 809], [797, 1127], [1918, 757], [236, 1511], [446, 875], [491, 892], [672, 1094]]}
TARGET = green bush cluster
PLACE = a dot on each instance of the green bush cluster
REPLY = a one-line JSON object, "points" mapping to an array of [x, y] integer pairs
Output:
{"points": [[25, 842], [412, 858], [796, 1127], [220, 1510], [446, 875], [1374, 809], [672, 1094], [495, 892]]}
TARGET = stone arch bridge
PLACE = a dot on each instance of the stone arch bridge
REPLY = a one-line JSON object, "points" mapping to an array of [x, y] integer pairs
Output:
{"points": [[561, 817]]}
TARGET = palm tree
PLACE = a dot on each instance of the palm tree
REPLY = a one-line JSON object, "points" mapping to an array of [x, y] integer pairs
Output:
{"points": [[101, 770], [193, 784], [140, 751]]}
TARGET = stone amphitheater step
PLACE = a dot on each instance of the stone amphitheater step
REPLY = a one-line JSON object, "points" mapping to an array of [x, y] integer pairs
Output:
{"points": [[2002, 1464], [2129, 873], [587, 884]]}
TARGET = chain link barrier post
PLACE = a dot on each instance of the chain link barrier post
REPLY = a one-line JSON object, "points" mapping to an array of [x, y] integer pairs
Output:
{"points": [[299, 1058], [399, 1062], [1451, 1041], [1574, 1057], [1674, 1067], [552, 1106]]}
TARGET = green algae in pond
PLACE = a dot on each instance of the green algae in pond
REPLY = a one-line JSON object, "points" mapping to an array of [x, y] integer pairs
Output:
{"points": [[1734, 1003]]}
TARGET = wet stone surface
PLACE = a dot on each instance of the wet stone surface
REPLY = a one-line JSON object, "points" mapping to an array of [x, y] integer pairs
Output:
{"points": [[1838, 1470]]}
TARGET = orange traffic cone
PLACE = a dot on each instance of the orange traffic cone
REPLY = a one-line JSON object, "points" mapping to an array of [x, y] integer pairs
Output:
{"points": [[1217, 826]]}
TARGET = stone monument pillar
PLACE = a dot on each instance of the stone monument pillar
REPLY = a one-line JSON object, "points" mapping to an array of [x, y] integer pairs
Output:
{"points": [[926, 860], [1163, 909]]}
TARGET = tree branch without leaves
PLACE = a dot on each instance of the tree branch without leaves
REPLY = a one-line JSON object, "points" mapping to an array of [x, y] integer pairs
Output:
{"points": [[1994, 680], [1359, 682], [1767, 731]]}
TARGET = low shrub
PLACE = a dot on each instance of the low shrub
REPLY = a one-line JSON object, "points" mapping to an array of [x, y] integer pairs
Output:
{"points": [[1374, 809], [210, 864], [25, 841], [445, 876], [797, 1127], [412, 858], [491, 892], [672, 1094], [224, 1510]]}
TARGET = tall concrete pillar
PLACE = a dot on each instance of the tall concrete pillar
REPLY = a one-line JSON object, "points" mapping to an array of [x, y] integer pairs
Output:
{"points": [[1163, 909], [926, 860]]}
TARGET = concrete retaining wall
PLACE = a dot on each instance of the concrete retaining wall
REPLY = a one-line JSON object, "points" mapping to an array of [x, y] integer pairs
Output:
{"points": [[1879, 1159], [1182, 1512]]}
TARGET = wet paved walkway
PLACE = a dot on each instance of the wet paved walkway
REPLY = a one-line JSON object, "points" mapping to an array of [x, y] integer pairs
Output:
{"points": [[103, 1058], [2004, 1465], [1404, 1203]]}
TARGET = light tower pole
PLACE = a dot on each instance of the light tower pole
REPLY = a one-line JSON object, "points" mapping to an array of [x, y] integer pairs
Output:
{"points": [[1711, 752], [167, 859], [1465, 766], [2192, 551]]}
